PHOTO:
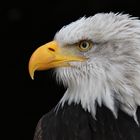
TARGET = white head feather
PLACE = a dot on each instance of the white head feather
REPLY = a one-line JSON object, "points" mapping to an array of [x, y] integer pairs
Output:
{"points": [[111, 75]]}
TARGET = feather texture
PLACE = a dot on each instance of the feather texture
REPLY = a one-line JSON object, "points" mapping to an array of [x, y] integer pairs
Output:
{"points": [[111, 75], [72, 122]]}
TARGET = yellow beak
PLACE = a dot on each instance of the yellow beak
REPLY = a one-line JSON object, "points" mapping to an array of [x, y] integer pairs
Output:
{"points": [[49, 56]]}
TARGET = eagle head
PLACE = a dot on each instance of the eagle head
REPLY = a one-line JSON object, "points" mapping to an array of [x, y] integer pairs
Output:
{"points": [[98, 59]]}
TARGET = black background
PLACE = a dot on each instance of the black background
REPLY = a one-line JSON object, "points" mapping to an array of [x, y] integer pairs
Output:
{"points": [[24, 27]]}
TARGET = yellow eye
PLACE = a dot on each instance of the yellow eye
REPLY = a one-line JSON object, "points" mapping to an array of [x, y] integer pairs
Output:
{"points": [[84, 46]]}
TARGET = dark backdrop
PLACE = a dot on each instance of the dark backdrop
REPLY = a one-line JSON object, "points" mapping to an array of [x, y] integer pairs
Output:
{"points": [[23, 28]]}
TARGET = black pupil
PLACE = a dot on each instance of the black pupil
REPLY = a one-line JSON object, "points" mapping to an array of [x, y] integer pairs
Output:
{"points": [[84, 44]]}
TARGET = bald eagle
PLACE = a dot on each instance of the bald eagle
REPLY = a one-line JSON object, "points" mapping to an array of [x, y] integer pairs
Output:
{"points": [[98, 59]]}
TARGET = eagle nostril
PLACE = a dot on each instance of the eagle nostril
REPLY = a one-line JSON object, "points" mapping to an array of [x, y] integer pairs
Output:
{"points": [[51, 49]]}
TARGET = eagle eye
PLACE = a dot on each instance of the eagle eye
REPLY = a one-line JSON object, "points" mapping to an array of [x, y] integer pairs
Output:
{"points": [[84, 45]]}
